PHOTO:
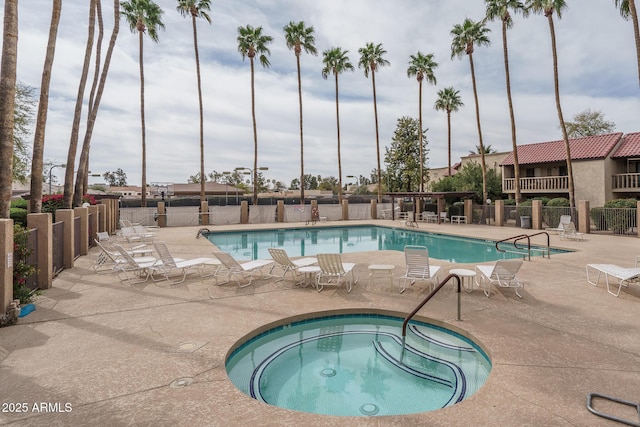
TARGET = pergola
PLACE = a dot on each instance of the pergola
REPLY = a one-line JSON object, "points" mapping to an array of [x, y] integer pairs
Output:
{"points": [[417, 195]]}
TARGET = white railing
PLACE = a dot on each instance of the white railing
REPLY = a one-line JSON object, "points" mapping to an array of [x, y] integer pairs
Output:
{"points": [[625, 181], [543, 183]]}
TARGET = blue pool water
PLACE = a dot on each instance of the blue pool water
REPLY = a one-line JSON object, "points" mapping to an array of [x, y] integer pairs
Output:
{"points": [[348, 365], [254, 244]]}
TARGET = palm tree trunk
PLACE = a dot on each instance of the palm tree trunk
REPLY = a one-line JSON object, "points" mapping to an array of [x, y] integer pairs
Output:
{"points": [[636, 31], [301, 132], [375, 113], [8, 67], [420, 138], [339, 159], [41, 121], [572, 201], [195, 45], [255, 135], [516, 164], [144, 142], [75, 127], [475, 98], [449, 140]]}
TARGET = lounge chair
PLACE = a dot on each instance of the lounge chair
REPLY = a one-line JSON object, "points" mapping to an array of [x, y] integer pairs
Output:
{"points": [[623, 274], [564, 219], [503, 273], [332, 267], [133, 270], [569, 232], [231, 268], [107, 259], [168, 265], [418, 267], [282, 260], [444, 217]]}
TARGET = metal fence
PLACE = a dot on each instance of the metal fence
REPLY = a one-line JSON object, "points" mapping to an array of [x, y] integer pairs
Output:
{"points": [[77, 224], [619, 221], [32, 243], [58, 247]]}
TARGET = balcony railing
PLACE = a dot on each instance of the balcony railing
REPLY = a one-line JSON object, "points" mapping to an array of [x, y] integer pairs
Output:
{"points": [[625, 182], [539, 184]]}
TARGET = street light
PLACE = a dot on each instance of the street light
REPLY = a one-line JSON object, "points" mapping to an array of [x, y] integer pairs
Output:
{"points": [[62, 165], [353, 177], [253, 179], [226, 187]]}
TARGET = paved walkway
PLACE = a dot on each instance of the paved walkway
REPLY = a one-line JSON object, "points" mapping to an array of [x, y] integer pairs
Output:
{"points": [[96, 352]]}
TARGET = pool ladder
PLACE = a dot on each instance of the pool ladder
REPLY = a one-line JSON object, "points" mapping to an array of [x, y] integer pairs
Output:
{"points": [[520, 237], [426, 300]]}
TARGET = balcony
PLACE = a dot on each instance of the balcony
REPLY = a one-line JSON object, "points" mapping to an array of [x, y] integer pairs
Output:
{"points": [[625, 182], [543, 184]]}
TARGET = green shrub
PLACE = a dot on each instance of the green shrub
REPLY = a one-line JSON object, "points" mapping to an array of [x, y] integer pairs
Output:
{"points": [[20, 203], [19, 216], [598, 218], [558, 202], [21, 269]]}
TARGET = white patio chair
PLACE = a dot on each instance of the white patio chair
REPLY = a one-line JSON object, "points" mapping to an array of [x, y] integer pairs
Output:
{"points": [[444, 217], [564, 219], [287, 264], [624, 275], [332, 267], [109, 257], [169, 265], [418, 267], [569, 232], [503, 273], [133, 270], [232, 268]]}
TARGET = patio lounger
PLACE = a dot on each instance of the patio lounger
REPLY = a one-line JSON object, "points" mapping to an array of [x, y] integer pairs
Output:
{"points": [[503, 273], [133, 270], [564, 219], [108, 259], [232, 268], [569, 232], [332, 267], [623, 274], [287, 264], [168, 265], [418, 267]]}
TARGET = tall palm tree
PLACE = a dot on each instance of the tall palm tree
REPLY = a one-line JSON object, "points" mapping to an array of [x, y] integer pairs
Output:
{"points": [[370, 60], [8, 67], [252, 41], [197, 9], [422, 67], [547, 7], [465, 37], [77, 113], [336, 62], [449, 101], [299, 37], [628, 11], [143, 16], [35, 201], [499, 9]]}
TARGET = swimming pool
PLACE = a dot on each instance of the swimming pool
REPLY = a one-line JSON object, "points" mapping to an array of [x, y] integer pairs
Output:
{"points": [[348, 365], [254, 244]]}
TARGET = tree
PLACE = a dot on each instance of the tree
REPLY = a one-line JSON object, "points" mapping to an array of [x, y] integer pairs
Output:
{"points": [[449, 101], [465, 38], [589, 123], [336, 61], [547, 7], [94, 100], [252, 41], [422, 67], [143, 16], [299, 37], [402, 159], [370, 60], [37, 166], [115, 179], [22, 120], [628, 11], [469, 178], [197, 9], [8, 65], [499, 9], [487, 149]]}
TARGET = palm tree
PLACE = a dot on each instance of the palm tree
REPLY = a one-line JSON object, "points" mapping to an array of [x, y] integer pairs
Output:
{"points": [[422, 67], [35, 201], [77, 113], [335, 62], [465, 38], [499, 9], [197, 9], [8, 67], [299, 37], [547, 7], [143, 16], [628, 11], [449, 101], [370, 59], [251, 41]]}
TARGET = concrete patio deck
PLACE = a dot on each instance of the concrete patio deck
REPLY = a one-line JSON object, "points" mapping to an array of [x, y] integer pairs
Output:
{"points": [[97, 352]]}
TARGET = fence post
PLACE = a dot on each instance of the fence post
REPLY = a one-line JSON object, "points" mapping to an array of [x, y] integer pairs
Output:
{"points": [[162, 217], [584, 221], [374, 209], [499, 206], [83, 213], [102, 217], [66, 216], [244, 212], [6, 264], [345, 209], [44, 250], [468, 210], [93, 227], [536, 214], [280, 210]]}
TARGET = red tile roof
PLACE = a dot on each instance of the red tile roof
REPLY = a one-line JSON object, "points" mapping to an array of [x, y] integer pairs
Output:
{"points": [[630, 146], [590, 147]]}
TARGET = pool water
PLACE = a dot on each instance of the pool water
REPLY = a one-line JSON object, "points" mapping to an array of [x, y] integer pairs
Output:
{"points": [[348, 365], [254, 244]]}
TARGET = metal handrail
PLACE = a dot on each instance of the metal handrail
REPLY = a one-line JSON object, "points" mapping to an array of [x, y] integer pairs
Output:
{"points": [[426, 300], [519, 237], [591, 409]]}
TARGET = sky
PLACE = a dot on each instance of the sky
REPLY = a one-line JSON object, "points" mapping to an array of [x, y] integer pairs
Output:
{"points": [[597, 71]]}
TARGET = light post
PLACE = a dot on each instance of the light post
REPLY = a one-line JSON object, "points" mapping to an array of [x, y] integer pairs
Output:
{"points": [[226, 187], [253, 179], [62, 165], [353, 177]]}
